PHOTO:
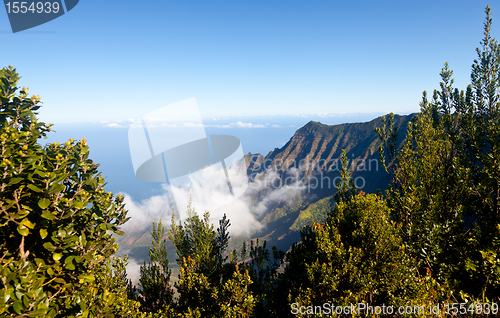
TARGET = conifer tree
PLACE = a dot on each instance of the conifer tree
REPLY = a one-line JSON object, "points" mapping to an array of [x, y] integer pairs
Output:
{"points": [[480, 122], [446, 178], [346, 190], [480, 119], [208, 286], [154, 289], [262, 266]]}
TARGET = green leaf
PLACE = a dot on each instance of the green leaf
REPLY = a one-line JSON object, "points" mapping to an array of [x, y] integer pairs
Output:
{"points": [[43, 233], [26, 301], [44, 203], [47, 215], [69, 262], [49, 246], [4, 295], [39, 262], [18, 307], [51, 313], [41, 173], [57, 188], [21, 214], [23, 230], [28, 223], [34, 188], [57, 256], [19, 294], [78, 205], [15, 181], [38, 312], [88, 278], [91, 182]]}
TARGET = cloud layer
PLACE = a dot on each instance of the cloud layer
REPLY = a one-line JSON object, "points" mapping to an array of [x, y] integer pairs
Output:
{"points": [[207, 191]]}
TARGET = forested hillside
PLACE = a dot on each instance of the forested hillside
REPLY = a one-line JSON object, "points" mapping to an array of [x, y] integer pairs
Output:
{"points": [[427, 246]]}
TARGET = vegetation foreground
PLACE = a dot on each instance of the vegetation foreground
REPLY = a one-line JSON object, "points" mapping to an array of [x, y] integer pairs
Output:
{"points": [[429, 246]]}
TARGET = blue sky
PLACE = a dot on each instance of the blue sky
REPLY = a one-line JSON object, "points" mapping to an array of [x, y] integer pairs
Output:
{"points": [[111, 60]]}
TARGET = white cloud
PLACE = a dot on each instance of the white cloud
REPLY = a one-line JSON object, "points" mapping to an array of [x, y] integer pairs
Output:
{"points": [[208, 190], [238, 124], [143, 214], [159, 123], [249, 125], [134, 270], [192, 125], [270, 179], [115, 125]]}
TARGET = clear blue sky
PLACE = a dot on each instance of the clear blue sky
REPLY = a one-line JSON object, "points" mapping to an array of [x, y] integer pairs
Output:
{"points": [[109, 60]]}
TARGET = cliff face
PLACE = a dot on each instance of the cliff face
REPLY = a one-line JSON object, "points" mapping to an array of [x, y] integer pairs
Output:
{"points": [[311, 161], [313, 154]]}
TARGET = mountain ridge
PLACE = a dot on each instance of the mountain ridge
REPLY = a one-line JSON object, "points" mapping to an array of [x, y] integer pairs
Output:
{"points": [[319, 147]]}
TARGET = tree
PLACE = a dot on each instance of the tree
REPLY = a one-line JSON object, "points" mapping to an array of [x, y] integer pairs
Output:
{"points": [[427, 196], [208, 286], [56, 220], [263, 269], [479, 118], [154, 291], [346, 190], [356, 255], [480, 122], [446, 179], [198, 239], [195, 238], [230, 298]]}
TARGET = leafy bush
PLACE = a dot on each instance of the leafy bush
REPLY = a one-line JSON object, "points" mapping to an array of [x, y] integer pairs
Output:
{"points": [[56, 220]]}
